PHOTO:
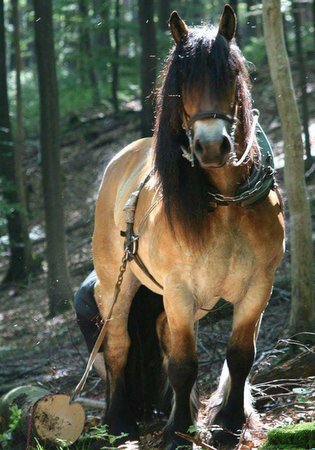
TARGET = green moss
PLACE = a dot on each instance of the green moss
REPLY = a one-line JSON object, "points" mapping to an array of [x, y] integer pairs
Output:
{"points": [[300, 436]]}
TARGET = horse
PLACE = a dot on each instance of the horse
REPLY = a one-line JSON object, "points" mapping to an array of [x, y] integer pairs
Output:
{"points": [[208, 225]]}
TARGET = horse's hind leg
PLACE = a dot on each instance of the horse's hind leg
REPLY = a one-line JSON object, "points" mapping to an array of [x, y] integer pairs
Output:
{"points": [[234, 392], [118, 415]]}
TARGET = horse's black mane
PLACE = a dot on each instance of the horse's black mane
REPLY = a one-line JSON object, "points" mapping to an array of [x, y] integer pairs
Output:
{"points": [[202, 56]]}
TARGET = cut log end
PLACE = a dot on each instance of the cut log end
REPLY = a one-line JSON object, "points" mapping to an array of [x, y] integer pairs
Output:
{"points": [[55, 419], [51, 417]]}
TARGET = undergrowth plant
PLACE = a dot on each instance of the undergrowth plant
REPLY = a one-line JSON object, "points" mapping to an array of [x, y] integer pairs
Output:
{"points": [[6, 437]]}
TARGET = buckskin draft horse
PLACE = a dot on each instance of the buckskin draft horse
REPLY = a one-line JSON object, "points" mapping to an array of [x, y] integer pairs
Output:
{"points": [[208, 225]]}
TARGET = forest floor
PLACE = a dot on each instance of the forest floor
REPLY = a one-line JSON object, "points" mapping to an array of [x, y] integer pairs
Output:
{"points": [[51, 352]]}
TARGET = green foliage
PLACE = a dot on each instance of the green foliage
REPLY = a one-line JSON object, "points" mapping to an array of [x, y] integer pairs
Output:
{"points": [[97, 434], [14, 423], [299, 436], [255, 51]]}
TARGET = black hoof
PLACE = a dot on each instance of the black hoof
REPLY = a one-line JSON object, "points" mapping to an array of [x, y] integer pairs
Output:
{"points": [[173, 442], [178, 446], [123, 431], [224, 440]]}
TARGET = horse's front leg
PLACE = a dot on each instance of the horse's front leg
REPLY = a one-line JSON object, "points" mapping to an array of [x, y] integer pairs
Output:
{"points": [[182, 366], [118, 415], [233, 393]]}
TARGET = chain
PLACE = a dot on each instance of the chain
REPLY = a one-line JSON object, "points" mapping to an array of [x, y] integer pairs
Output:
{"points": [[100, 338], [122, 269], [219, 198], [238, 198]]}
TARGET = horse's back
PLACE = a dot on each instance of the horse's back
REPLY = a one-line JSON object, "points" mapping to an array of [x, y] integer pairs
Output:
{"points": [[122, 176]]}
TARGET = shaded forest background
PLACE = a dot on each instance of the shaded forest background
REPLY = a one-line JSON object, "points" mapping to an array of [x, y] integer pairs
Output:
{"points": [[107, 56]]}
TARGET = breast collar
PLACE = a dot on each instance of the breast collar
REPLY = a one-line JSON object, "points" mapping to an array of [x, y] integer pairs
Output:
{"points": [[257, 186]]}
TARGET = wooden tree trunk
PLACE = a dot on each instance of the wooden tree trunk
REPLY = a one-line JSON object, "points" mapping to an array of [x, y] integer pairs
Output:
{"points": [[21, 261], [251, 21], [147, 64], [164, 10], [115, 63], [302, 314], [302, 76], [59, 290], [234, 4], [86, 53], [49, 417]]}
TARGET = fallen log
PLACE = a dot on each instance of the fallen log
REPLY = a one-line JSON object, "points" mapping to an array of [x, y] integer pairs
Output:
{"points": [[49, 417], [283, 379], [301, 366]]}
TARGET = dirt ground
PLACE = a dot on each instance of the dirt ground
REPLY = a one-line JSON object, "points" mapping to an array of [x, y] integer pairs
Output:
{"points": [[51, 353]]}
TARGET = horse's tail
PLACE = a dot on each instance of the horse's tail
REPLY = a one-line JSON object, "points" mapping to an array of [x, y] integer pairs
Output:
{"points": [[145, 376]]}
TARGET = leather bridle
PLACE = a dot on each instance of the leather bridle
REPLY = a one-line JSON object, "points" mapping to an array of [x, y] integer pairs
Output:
{"points": [[208, 114]]}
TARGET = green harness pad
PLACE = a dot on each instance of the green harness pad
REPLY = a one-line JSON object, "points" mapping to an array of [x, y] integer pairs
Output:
{"points": [[259, 183]]}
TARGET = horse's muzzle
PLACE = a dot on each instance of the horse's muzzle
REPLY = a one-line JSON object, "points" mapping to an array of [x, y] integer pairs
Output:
{"points": [[213, 153]]}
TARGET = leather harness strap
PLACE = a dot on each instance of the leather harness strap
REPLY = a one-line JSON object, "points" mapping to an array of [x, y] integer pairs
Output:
{"points": [[132, 239]]}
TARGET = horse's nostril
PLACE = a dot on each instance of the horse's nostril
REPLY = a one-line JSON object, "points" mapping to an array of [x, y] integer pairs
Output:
{"points": [[198, 146], [226, 145]]}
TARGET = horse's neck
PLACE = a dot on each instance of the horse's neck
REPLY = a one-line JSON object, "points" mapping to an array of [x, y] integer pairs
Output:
{"points": [[227, 178]]}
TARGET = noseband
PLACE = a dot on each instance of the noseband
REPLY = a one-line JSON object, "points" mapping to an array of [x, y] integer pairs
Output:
{"points": [[208, 114], [211, 115]]}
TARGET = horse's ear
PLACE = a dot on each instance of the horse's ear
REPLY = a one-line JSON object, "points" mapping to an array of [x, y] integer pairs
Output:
{"points": [[178, 27], [228, 21]]}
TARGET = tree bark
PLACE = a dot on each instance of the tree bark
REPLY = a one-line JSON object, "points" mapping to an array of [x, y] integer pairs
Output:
{"points": [[300, 366], [302, 77], [21, 261], [147, 63], [115, 63], [59, 290], [86, 54], [104, 35], [164, 9], [234, 4], [251, 22], [302, 313]]}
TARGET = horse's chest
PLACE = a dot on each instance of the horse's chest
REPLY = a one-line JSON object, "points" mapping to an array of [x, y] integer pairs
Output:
{"points": [[225, 270]]}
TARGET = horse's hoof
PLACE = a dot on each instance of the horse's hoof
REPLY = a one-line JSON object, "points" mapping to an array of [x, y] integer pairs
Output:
{"points": [[176, 446], [173, 442], [123, 432], [224, 439]]}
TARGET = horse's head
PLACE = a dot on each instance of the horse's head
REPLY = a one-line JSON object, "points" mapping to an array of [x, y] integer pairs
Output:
{"points": [[205, 85], [208, 72]]}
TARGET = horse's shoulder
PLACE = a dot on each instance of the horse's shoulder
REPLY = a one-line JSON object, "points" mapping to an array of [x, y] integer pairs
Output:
{"points": [[140, 146]]}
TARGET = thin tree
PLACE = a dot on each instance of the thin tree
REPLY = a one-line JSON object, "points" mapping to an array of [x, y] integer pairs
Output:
{"points": [[147, 63], [164, 10], [302, 77], [86, 53], [59, 290], [302, 314], [251, 20], [234, 4], [115, 57], [21, 261]]}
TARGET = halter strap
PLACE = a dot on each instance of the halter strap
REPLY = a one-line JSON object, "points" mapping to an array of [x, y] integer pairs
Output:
{"points": [[210, 114]]}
